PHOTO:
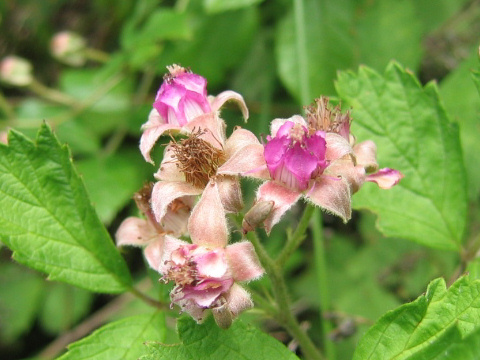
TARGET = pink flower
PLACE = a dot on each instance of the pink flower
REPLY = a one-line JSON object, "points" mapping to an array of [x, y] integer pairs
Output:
{"points": [[182, 105], [148, 232], [192, 164], [206, 273]]}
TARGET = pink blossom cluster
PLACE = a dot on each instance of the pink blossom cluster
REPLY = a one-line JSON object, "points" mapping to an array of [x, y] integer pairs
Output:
{"points": [[184, 230]]}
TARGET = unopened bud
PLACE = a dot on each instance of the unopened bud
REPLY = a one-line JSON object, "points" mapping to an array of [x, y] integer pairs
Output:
{"points": [[69, 48], [16, 71], [4, 137], [257, 215]]}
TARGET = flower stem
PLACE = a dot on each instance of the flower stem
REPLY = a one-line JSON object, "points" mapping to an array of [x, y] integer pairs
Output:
{"points": [[147, 299], [52, 94], [284, 314], [298, 236], [321, 270], [96, 55]]}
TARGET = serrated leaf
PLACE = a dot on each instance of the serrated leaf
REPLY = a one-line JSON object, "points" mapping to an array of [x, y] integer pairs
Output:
{"points": [[463, 105], [414, 135], [216, 6], [120, 340], [208, 342], [427, 326], [47, 220]]}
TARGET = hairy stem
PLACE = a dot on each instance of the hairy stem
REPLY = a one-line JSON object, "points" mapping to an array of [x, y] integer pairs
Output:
{"points": [[284, 314], [294, 241], [321, 270], [147, 299]]}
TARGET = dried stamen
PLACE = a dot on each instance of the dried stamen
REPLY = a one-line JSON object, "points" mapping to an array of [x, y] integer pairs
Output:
{"points": [[181, 275], [320, 116], [197, 159]]}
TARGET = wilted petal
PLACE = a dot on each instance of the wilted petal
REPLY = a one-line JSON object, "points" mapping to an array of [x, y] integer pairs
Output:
{"points": [[366, 155], [276, 124], [164, 192], [238, 300], [386, 177], [344, 168], [135, 231], [228, 95], [238, 140], [333, 195], [208, 225], [191, 308], [243, 261], [215, 127], [337, 147], [283, 198], [230, 193], [153, 254], [170, 244], [152, 130], [168, 170], [249, 162]]}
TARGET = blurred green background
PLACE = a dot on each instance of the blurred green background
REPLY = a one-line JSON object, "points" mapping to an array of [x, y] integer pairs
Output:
{"points": [[279, 55]]}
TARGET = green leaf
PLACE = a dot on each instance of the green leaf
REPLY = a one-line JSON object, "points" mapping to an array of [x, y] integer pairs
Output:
{"points": [[424, 328], [19, 300], [209, 342], [329, 45], [122, 339], [414, 135], [47, 220], [216, 6], [111, 181], [462, 102]]}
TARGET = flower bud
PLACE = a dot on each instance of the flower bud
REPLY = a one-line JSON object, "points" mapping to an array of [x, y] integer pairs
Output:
{"points": [[16, 71], [257, 215], [69, 48]]}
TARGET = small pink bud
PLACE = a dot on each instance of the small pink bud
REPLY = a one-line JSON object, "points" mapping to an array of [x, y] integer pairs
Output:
{"points": [[68, 47], [182, 96], [257, 215], [4, 137], [16, 71]]}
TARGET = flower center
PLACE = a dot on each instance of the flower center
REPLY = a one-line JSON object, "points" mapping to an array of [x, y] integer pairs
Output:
{"points": [[181, 274], [174, 70], [197, 159], [321, 116], [297, 133]]}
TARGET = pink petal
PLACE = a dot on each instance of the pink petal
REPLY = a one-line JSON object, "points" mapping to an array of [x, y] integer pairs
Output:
{"points": [[152, 130], [208, 225], [170, 244], [243, 261], [238, 140], [337, 147], [164, 192], [366, 155], [212, 264], [135, 231], [154, 253], [249, 162], [175, 221], [283, 198], [386, 177], [168, 170], [230, 193], [215, 127], [276, 124], [333, 195], [238, 300], [228, 95]]}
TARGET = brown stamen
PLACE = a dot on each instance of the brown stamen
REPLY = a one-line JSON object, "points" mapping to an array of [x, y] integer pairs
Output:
{"points": [[321, 116], [181, 275], [197, 159]]}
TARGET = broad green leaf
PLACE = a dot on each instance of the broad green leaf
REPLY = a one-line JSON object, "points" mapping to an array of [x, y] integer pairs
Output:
{"points": [[209, 342], [111, 181], [329, 45], [63, 306], [414, 135], [20, 299], [425, 326], [215, 6], [46, 218], [120, 340], [476, 79], [462, 102]]}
